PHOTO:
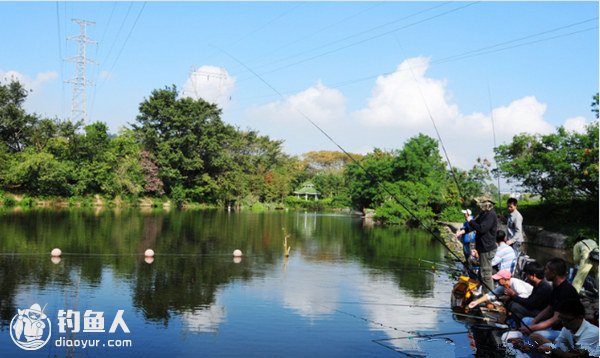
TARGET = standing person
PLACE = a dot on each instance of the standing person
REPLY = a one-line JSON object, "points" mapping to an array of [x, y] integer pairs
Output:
{"points": [[485, 226], [514, 226], [466, 238], [581, 258]]}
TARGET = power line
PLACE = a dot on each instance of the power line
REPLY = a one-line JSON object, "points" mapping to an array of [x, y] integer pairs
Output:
{"points": [[317, 32], [100, 42], [60, 61], [351, 36], [367, 39], [118, 33], [125, 42], [472, 53], [261, 27]]}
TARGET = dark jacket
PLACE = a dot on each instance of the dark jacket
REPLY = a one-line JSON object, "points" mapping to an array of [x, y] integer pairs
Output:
{"points": [[485, 226], [539, 298]]}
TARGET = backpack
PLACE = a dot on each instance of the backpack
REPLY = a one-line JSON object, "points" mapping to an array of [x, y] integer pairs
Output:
{"points": [[594, 254]]}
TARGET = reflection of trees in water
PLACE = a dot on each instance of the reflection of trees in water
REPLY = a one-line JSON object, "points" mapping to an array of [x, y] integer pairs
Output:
{"points": [[181, 284], [193, 249], [19, 271]]}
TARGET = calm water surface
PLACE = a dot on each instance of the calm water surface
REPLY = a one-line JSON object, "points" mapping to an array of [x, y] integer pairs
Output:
{"points": [[345, 290]]}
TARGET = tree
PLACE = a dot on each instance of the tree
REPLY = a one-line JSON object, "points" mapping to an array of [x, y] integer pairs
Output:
{"points": [[326, 160], [186, 137], [557, 166], [15, 124], [595, 104]]}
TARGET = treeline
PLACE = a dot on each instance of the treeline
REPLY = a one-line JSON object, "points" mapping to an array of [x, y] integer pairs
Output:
{"points": [[180, 149]]}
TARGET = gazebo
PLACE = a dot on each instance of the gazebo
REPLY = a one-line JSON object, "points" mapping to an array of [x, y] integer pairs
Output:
{"points": [[307, 189]]}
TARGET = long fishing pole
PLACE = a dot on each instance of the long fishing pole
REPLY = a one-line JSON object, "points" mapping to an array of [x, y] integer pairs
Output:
{"points": [[494, 135], [372, 177], [465, 264], [437, 132]]}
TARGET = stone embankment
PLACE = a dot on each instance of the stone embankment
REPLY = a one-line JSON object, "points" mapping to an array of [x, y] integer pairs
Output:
{"points": [[535, 235]]}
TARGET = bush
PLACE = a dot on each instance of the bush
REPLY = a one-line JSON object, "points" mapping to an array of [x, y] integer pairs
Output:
{"points": [[452, 214], [27, 202], [9, 202]]}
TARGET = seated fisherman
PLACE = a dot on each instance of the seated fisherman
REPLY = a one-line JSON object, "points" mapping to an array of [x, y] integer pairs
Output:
{"points": [[505, 255], [547, 323], [539, 298], [578, 337], [506, 282]]}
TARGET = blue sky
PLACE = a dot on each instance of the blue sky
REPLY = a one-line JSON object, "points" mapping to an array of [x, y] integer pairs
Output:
{"points": [[369, 73]]}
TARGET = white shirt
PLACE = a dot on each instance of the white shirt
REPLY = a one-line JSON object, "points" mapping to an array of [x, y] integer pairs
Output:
{"points": [[586, 338], [505, 256], [522, 288]]}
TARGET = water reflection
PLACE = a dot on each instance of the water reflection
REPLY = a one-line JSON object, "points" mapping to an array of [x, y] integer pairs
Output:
{"points": [[339, 272]]}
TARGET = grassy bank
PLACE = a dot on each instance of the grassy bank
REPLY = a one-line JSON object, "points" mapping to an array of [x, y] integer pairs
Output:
{"points": [[10, 200]]}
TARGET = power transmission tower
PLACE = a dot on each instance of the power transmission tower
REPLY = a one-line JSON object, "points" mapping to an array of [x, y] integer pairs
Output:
{"points": [[79, 102]]}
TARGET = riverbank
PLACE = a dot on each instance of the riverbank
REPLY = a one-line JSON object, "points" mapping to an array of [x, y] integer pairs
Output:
{"points": [[9, 200]]}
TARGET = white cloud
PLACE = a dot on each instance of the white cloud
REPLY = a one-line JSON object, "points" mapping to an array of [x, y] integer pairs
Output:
{"points": [[321, 104], [399, 107], [576, 124], [213, 84], [397, 100], [28, 82], [522, 115]]}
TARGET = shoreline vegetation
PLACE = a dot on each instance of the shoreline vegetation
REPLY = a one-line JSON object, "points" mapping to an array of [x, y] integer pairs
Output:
{"points": [[179, 153]]}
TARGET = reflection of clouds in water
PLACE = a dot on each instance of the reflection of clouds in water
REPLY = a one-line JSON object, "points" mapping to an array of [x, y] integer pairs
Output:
{"points": [[205, 320], [309, 297], [380, 294]]}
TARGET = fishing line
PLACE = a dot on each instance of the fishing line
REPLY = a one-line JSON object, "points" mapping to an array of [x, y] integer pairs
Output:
{"points": [[465, 263], [426, 336], [365, 319], [393, 304], [437, 132], [375, 179], [494, 134]]}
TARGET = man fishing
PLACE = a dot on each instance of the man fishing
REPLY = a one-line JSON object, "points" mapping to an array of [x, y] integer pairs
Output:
{"points": [[485, 226]]}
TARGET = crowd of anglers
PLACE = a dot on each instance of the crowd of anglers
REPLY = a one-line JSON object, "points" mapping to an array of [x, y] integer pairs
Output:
{"points": [[545, 313]]}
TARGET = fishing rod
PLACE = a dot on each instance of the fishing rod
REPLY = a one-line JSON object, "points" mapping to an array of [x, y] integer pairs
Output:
{"points": [[393, 304], [494, 135], [377, 180], [465, 263], [437, 132]]}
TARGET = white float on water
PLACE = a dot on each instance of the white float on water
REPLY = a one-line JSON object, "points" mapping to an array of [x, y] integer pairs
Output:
{"points": [[149, 253], [149, 259], [237, 253], [56, 252]]}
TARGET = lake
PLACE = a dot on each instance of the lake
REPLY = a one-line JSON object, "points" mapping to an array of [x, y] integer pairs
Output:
{"points": [[346, 289]]}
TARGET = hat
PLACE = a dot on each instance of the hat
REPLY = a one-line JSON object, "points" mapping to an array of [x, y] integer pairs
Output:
{"points": [[505, 274], [485, 199], [468, 212]]}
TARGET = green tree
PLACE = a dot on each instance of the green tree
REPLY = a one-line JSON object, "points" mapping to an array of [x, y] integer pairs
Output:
{"points": [[15, 124], [557, 166], [186, 137]]}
